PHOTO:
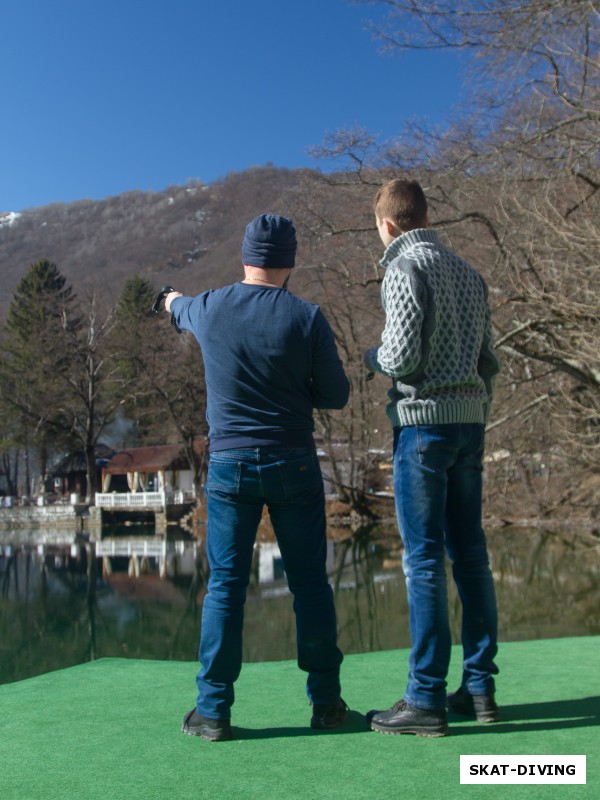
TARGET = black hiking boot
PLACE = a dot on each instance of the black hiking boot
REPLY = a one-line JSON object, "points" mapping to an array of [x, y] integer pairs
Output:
{"points": [[328, 715], [212, 730], [481, 706], [404, 718]]}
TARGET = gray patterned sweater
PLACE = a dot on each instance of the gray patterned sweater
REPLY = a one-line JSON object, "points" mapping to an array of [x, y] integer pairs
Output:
{"points": [[437, 341]]}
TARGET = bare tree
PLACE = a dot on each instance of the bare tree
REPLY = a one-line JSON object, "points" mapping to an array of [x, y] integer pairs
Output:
{"points": [[88, 402], [340, 272], [160, 376], [512, 184]]}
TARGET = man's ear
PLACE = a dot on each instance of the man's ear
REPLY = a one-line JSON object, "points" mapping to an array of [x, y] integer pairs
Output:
{"points": [[391, 228]]}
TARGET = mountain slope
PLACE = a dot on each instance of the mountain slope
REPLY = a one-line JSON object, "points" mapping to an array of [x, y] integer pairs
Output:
{"points": [[189, 236]]}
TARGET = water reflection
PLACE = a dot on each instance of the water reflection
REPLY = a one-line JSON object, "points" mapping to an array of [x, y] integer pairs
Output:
{"points": [[60, 604]]}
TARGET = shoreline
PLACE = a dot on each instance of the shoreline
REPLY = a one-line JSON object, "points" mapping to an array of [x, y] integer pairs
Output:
{"points": [[341, 520]]}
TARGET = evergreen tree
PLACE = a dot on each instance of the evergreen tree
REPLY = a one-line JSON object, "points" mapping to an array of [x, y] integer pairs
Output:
{"points": [[138, 343], [34, 359], [135, 303]]}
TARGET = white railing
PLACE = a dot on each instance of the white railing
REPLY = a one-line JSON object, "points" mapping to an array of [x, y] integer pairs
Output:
{"points": [[131, 547], [151, 548], [142, 499], [177, 557], [131, 500]]}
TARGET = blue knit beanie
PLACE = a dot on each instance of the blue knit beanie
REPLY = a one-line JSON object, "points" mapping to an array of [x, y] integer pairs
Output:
{"points": [[269, 242]]}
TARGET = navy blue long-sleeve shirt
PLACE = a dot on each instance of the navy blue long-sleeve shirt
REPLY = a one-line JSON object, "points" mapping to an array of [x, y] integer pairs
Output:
{"points": [[269, 358]]}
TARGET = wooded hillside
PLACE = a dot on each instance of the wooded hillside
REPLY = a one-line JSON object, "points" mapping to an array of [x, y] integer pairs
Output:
{"points": [[188, 235]]}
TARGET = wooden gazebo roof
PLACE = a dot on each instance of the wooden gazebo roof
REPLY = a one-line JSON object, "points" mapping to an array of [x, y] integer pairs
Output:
{"points": [[151, 459]]}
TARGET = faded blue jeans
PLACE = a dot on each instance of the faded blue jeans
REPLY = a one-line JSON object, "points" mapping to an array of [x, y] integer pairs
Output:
{"points": [[438, 492], [239, 484]]}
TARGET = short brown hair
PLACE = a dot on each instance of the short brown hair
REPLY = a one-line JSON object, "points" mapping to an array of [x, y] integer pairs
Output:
{"points": [[403, 202]]}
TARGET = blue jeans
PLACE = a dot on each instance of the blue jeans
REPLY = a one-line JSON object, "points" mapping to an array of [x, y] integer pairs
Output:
{"points": [[239, 484], [438, 491]]}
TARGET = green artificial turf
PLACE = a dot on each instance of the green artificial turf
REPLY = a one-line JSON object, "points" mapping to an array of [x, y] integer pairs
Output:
{"points": [[111, 729]]}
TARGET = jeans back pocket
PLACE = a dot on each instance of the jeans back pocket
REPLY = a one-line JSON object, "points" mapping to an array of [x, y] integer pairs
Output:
{"points": [[301, 476], [224, 475]]}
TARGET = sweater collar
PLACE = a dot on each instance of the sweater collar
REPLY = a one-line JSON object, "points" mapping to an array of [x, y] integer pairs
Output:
{"points": [[406, 241]]}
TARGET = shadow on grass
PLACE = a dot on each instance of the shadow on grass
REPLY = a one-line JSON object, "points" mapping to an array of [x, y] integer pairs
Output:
{"points": [[355, 723], [525, 718], [553, 715]]}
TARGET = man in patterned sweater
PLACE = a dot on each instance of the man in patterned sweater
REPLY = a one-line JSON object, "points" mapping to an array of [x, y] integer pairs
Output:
{"points": [[437, 348]]}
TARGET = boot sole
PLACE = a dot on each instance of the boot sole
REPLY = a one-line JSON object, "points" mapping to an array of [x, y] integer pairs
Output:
{"points": [[212, 736], [429, 733]]}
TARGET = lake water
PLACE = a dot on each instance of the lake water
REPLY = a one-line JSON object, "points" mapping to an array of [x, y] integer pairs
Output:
{"points": [[52, 616]]}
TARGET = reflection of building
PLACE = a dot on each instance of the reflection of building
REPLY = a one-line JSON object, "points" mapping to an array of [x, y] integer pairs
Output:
{"points": [[171, 558], [148, 477]]}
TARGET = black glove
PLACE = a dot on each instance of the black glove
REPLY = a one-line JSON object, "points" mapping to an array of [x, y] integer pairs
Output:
{"points": [[164, 291]]}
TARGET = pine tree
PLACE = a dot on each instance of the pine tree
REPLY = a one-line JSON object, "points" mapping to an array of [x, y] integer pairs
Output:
{"points": [[138, 344], [34, 358]]}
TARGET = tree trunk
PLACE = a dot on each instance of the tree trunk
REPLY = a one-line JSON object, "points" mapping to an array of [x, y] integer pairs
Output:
{"points": [[90, 465]]}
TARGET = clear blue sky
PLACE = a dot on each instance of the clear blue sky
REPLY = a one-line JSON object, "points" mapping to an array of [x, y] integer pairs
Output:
{"points": [[99, 98]]}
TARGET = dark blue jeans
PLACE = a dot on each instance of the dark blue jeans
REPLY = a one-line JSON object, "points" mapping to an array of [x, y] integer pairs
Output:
{"points": [[239, 484], [438, 491]]}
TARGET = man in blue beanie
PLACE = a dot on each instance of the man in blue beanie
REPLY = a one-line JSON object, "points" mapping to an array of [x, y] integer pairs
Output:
{"points": [[270, 358]]}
